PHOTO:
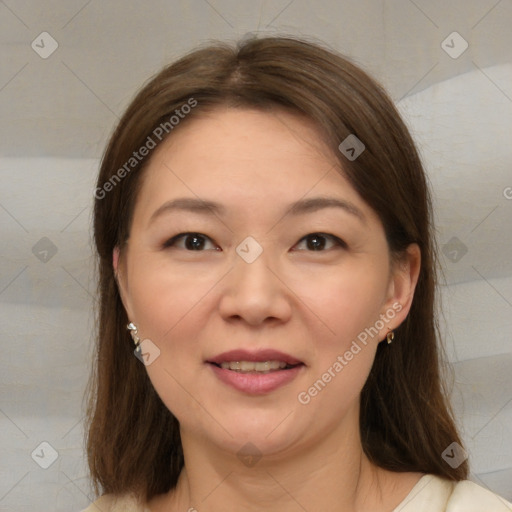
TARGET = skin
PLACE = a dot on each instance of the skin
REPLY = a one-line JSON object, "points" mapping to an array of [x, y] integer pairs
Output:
{"points": [[195, 304]]}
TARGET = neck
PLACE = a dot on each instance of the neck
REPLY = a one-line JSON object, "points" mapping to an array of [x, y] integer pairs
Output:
{"points": [[331, 473]]}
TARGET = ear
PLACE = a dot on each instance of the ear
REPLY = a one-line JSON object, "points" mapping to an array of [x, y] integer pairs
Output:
{"points": [[404, 277], [120, 276], [115, 259]]}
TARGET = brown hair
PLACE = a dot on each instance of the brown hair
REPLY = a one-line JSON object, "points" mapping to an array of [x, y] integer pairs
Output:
{"points": [[133, 440]]}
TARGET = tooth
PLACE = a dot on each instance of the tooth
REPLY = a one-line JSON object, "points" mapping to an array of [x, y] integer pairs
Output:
{"points": [[253, 366]]}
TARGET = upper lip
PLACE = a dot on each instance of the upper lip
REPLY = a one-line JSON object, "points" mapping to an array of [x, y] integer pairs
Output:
{"points": [[256, 356]]}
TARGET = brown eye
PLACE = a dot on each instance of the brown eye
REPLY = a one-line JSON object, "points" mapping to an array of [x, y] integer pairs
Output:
{"points": [[192, 242], [318, 242]]}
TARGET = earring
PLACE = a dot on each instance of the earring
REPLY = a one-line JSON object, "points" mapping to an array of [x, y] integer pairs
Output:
{"points": [[390, 336], [134, 334]]}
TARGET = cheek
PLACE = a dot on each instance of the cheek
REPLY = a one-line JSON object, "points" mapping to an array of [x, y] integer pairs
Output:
{"points": [[162, 297], [169, 303], [345, 302], [345, 338], [169, 309]]}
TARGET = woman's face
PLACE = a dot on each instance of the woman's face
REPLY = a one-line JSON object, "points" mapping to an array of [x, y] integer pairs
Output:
{"points": [[273, 272]]}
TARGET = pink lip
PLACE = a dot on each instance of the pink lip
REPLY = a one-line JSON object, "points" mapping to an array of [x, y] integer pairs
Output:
{"points": [[253, 383], [257, 355], [256, 384]]}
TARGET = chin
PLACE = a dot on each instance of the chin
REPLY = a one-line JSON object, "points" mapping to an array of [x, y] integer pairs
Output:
{"points": [[269, 431]]}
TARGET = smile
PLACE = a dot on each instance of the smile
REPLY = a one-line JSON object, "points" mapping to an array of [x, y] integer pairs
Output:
{"points": [[255, 367]]}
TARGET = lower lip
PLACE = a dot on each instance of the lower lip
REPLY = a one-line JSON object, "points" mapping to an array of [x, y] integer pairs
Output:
{"points": [[254, 383]]}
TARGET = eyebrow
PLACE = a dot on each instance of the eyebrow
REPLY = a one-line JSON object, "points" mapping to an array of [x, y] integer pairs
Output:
{"points": [[301, 207]]}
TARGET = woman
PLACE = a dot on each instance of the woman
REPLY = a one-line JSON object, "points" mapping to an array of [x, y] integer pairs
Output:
{"points": [[264, 231]]}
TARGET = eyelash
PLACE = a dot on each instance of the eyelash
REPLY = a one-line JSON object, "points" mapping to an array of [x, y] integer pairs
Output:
{"points": [[338, 241]]}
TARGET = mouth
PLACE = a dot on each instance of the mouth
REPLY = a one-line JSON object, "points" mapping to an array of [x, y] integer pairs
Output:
{"points": [[259, 361], [255, 373], [257, 367]]}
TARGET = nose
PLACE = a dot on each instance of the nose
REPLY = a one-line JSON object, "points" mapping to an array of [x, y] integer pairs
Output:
{"points": [[255, 293]]}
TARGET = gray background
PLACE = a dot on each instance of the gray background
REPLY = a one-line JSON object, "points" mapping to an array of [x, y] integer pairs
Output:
{"points": [[57, 113]]}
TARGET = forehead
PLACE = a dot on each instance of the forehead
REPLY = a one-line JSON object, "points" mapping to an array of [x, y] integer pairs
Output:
{"points": [[244, 158], [246, 135]]}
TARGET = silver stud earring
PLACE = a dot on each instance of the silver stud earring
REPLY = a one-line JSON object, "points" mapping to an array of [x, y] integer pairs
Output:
{"points": [[135, 335]]}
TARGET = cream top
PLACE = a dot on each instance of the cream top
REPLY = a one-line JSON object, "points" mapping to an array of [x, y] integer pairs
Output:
{"points": [[430, 494]]}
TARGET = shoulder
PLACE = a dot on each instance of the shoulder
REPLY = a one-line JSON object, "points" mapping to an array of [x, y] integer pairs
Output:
{"points": [[471, 497], [113, 503], [435, 494]]}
